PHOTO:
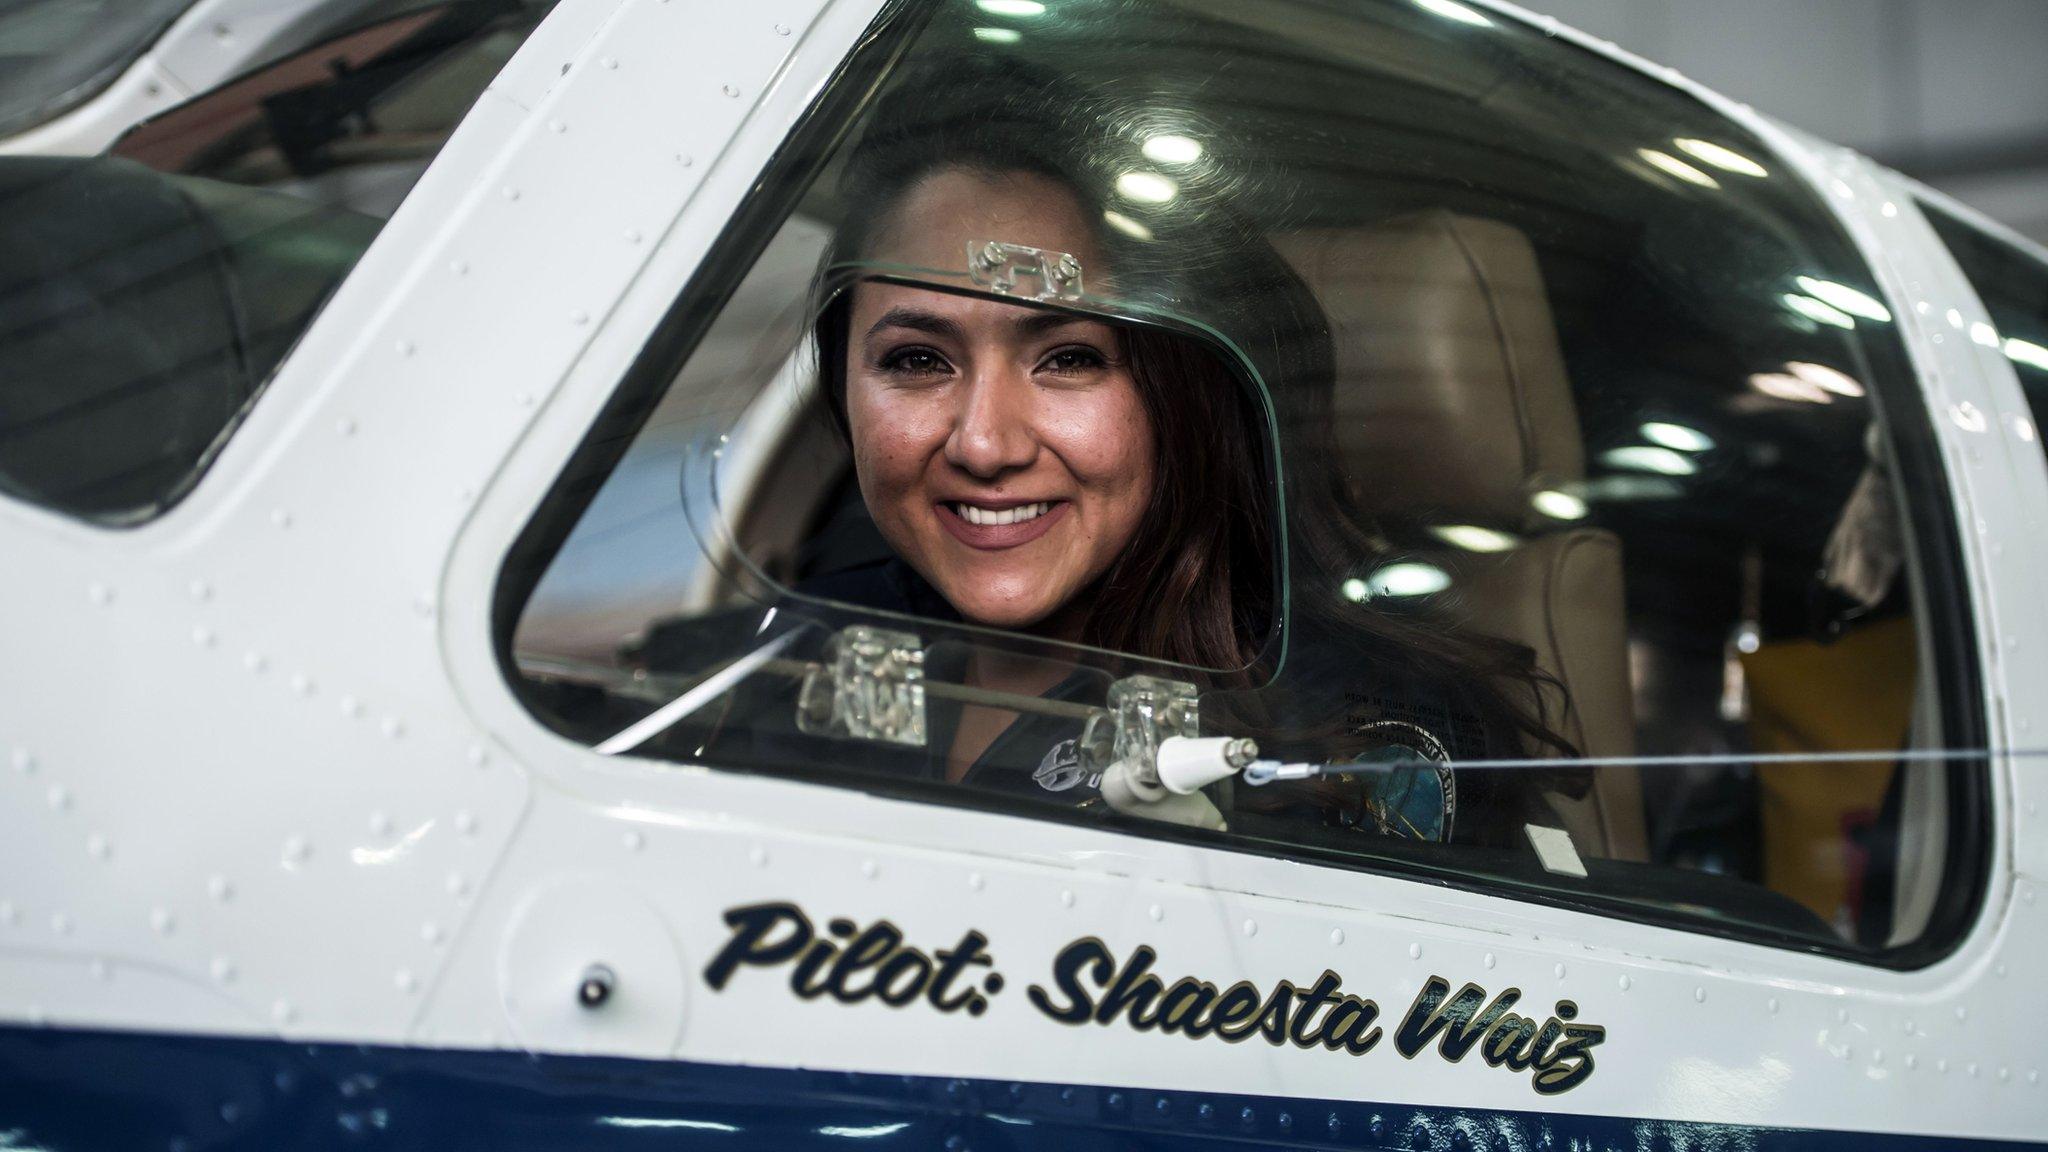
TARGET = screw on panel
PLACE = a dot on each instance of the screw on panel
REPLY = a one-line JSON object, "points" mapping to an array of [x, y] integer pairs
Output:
{"points": [[2004, 1074], [59, 798], [407, 348], [255, 662], [458, 885], [609, 63], [1962, 1013], [1488, 960], [100, 969], [478, 757], [296, 850], [1156, 913], [9, 915], [97, 847], [1415, 951], [782, 29], [380, 824], [202, 636], [281, 518], [99, 594], [685, 159], [731, 90], [1066, 898], [1251, 927], [557, 127], [162, 922], [511, 193], [60, 923], [220, 889], [868, 869], [223, 970], [282, 1012], [1336, 936], [633, 236], [595, 986], [1912, 1061], [757, 856], [1941, 1065], [579, 317], [1699, 994], [465, 823], [1559, 970], [302, 684], [975, 882], [406, 981], [24, 762], [459, 266], [392, 727], [1625, 982], [633, 841]]}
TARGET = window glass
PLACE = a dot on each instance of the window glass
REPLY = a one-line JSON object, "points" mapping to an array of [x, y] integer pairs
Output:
{"points": [[1353, 432], [57, 54], [2013, 285], [147, 294]]}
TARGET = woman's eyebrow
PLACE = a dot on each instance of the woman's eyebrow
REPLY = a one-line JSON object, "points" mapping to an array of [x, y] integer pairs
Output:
{"points": [[917, 321]]}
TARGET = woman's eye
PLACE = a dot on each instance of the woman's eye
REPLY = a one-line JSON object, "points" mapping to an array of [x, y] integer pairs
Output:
{"points": [[1075, 360], [914, 362]]}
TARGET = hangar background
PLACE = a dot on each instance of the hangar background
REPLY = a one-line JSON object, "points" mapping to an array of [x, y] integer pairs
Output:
{"points": [[1954, 92]]}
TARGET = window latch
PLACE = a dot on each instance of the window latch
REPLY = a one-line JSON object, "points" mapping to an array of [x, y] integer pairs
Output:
{"points": [[869, 687]]}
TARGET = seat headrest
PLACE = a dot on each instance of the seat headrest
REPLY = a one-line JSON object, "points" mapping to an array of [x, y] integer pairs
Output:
{"points": [[1451, 394]]}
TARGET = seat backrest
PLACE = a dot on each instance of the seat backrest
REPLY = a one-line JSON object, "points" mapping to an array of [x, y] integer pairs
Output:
{"points": [[1454, 409]]}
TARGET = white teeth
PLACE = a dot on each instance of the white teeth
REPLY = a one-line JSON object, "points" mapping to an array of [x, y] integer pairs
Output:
{"points": [[976, 515]]}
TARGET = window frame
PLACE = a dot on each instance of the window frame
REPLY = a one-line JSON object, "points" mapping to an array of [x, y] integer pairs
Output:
{"points": [[1943, 606]]}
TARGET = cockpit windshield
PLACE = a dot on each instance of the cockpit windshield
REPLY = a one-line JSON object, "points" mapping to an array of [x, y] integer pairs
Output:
{"points": [[56, 54]]}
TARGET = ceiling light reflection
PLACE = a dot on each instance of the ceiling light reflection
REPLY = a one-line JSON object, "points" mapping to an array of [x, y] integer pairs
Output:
{"points": [[1126, 225], [1726, 159], [1677, 436], [998, 35], [1355, 590], [1813, 309], [1984, 334], [1011, 7], [1146, 187], [1784, 386], [1452, 10], [1408, 578], [1646, 458], [1844, 297], [2026, 352], [1558, 505], [1832, 379], [1173, 149], [1672, 166], [1473, 538]]}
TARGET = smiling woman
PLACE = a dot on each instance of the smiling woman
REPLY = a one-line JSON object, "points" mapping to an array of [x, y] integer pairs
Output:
{"points": [[1293, 376]]}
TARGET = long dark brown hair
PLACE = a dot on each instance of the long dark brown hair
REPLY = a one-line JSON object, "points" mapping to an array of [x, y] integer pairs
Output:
{"points": [[1197, 583]]}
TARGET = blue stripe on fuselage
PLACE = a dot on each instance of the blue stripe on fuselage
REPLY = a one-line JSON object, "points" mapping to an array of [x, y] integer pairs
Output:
{"points": [[65, 1090]]}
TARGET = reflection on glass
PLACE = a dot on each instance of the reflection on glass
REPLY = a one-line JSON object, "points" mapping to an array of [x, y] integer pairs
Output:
{"points": [[1845, 298], [1647, 458], [1785, 386], [1473, 538], [1677, 436], [1011, 7], [1813, 309], [1409, 578], [2026, 352], [1726, 159], [1173, 149], [1127, 226], [1673, 166], [1984, 334], [1452, 10], [1146, 187], [1558, 505], [1831, 379], [1355, 590], [998, 35]]}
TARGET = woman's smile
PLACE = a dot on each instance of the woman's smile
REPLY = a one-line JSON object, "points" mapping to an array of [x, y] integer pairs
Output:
{"points": [[994, 525]]}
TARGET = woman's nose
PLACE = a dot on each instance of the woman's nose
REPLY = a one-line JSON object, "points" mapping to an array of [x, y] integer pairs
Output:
{"points": [[992, 430]]}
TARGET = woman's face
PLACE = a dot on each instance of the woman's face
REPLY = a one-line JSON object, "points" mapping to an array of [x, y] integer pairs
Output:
{"points": [[1002, 450]]}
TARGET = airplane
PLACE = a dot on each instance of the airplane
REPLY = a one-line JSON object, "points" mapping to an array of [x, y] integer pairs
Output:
{"points": [[437, 712]]}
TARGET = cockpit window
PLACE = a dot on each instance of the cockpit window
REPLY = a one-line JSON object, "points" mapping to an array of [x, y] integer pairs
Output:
{"points": [[2013, 286], [1335, 431], [57, 54], [146, 295]]}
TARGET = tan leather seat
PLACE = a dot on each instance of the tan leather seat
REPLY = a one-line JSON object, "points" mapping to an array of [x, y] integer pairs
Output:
{"points": [[1454, 410]]}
